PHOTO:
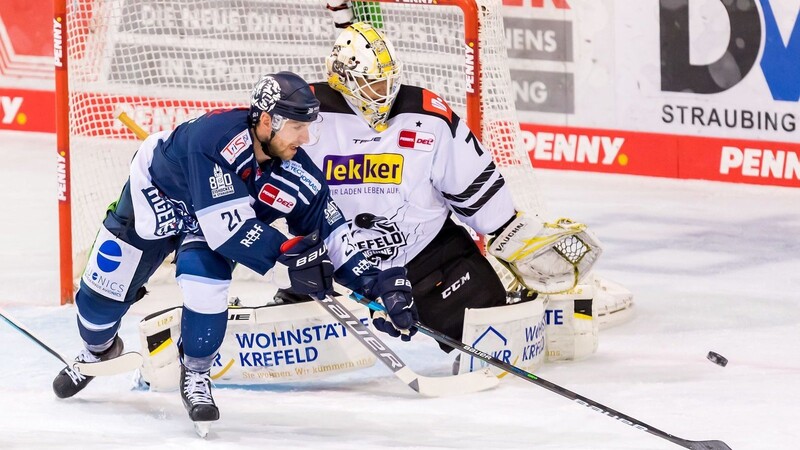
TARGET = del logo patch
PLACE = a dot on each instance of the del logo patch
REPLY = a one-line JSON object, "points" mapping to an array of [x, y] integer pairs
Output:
{"points": [[417, 140], [276, 198]]}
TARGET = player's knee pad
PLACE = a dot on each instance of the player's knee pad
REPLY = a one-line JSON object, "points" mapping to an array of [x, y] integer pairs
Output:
{"points": [[204, 277], [515, 334], [572, 326]]}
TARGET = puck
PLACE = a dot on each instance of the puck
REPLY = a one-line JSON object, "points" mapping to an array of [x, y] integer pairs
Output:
{"points": [[717, 359]]}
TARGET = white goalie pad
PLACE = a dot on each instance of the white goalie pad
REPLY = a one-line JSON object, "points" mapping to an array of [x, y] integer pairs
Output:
{"points": [[268, 344], [547, 257], [572, 327], [515, 334], [613, 302]]}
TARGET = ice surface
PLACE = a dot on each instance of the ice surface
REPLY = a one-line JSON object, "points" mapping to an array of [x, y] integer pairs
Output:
{"points": [[712, 266]]}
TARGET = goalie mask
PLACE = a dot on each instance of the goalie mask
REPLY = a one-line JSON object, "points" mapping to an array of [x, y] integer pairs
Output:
{"points": [[364, 67]]}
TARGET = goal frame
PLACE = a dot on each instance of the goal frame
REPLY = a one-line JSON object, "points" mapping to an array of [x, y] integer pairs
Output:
{"points": [[61, 32]]}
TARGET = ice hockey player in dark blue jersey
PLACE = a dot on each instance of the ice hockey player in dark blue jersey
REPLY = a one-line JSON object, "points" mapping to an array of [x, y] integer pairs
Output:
{"points": [[210, 189]]}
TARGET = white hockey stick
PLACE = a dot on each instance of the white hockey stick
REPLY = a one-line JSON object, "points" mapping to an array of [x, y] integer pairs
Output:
{"points": [[427, 386], [121, 364]]}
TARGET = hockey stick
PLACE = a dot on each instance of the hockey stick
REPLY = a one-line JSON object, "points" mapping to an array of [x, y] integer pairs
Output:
{"points": [[527, 376], [121, 364], [427, 386]]}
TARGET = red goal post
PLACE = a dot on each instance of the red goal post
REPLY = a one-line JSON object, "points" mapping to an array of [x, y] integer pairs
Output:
{"points": [[165, 61]]}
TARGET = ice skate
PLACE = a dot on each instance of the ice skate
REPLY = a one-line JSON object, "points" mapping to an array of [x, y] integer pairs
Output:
{"points": [[70, 381], [196, 395]]}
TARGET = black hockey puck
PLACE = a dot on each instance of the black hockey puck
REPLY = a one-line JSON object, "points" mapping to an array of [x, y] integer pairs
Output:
{"points": [[717, 359]]}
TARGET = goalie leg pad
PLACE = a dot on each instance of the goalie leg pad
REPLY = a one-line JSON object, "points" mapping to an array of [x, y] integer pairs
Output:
{"points": [[514, 334], [572, 328], [613, 302], [159, 334]]}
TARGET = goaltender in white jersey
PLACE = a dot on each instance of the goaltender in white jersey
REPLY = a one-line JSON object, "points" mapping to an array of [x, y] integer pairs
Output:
{"points": [[400, 163], [401, 166]]}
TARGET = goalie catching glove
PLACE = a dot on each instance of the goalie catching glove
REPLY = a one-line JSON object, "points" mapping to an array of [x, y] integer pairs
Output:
{"points": [[394, 290], [546, 257]]}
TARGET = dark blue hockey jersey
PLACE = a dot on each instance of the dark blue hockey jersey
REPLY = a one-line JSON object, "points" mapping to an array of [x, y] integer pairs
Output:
{"points": [[204, 179]]}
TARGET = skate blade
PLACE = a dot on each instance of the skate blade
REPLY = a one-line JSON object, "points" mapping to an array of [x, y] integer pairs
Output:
{"points": [[202, 428]]}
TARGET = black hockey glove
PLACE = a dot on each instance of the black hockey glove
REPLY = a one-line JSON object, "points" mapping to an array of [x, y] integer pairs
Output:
{"points": [[394, 290], [310, 268]]}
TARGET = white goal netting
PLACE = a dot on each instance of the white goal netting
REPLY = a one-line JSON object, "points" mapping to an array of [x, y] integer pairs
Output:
{"points": [[165, 61]]}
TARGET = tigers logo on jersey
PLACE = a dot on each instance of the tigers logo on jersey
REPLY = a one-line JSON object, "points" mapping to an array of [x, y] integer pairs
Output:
{"points": [[417, 140], [236, 146], [276, 198]]}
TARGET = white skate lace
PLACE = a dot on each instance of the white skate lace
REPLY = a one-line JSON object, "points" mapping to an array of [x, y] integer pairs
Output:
{"points": [[83, 356], [196, 388]]}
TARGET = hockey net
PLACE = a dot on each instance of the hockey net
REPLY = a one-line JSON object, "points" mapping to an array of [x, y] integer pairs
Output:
{"points": [[165, 61]]}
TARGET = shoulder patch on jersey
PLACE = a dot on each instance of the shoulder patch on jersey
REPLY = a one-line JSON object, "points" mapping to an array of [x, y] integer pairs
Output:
{"points": [[416, 100], [416, 140], [276, 198], [435, 104], [236, 146], [220, 183], [330, 100]]}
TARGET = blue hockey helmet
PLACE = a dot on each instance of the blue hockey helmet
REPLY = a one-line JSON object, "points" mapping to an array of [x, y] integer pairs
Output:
{"points": [[284, 95]]}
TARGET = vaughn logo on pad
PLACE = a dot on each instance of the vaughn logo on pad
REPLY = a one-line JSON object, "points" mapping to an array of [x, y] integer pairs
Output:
{"points": [[276, 198], [416, 140]]}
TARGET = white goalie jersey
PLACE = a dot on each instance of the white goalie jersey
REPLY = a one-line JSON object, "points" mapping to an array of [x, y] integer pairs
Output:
{"points": [[397, 186]]}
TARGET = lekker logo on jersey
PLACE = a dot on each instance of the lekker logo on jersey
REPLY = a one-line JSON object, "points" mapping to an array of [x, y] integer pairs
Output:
{"points": [[382, 168], [417, 140], [236, 146], [276, 198]]}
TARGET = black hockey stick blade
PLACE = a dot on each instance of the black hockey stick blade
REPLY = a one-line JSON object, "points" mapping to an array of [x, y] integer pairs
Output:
{"points": [[705, 445], [552, 387], [427, 386]]}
